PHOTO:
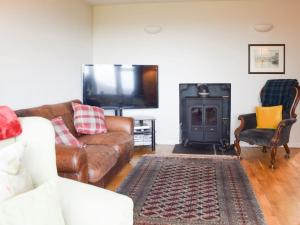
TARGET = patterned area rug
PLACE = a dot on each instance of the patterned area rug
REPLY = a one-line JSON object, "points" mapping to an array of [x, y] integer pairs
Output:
{"points": [[181, 190]]}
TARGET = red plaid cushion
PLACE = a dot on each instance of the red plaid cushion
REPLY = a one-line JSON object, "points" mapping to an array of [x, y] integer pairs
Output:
{"points": [[9, 123], [89, 119], [62, 133]]}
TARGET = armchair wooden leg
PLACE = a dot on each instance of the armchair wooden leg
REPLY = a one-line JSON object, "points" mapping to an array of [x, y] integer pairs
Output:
{"points": [[264, 149], [288, 151], [238, 148], [273, 157]]}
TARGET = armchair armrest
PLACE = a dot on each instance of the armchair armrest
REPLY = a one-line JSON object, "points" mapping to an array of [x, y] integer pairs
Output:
{"points": [[248, 121], [287, 122], [282, 133], [117, 123], [72, 160]]}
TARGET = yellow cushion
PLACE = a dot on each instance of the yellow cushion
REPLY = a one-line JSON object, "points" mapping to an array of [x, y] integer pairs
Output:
{"points": [[268, 117]]}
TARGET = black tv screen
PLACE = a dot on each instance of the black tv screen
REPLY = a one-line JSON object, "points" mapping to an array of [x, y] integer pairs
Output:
{"points": [[120, 86]]}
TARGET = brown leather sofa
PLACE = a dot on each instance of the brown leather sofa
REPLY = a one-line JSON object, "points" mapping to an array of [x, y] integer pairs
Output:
{"points": [[104, 155]]}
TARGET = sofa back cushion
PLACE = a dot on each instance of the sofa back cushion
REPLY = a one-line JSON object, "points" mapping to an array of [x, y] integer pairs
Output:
{"points": [[50, 112]]}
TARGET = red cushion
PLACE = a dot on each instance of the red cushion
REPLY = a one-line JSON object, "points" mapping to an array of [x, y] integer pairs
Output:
{"points": [[89, 119], [9, 124], [63, 134]]}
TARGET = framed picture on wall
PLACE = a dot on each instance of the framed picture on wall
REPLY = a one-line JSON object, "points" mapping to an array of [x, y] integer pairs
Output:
{"points": [[266, 58]]}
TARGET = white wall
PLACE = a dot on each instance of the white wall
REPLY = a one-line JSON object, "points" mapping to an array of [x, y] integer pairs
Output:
{"points": [[42, 47], [200, 42]]}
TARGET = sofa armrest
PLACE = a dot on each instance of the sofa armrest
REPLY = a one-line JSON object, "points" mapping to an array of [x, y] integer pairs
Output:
{"points": [[70, 159], [117, 123], [84, 204]]}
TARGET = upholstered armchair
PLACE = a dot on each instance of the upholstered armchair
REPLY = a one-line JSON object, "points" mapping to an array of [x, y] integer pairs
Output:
{"points": [[81, 204], [283, 92]]}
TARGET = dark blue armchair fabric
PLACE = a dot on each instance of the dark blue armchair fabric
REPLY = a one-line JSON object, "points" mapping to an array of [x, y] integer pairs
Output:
{"points": [[280, 92]]}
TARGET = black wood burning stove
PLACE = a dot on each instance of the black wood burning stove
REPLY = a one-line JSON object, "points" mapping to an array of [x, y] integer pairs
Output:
{"points": [[204, 119], [205, 116]]}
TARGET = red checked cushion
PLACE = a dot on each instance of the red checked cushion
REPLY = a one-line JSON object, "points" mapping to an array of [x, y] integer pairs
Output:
{"points": [[62, 133], [89, 119], [9, 123]]}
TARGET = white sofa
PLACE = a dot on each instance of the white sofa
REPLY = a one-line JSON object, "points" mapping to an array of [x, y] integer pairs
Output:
{"points": [[81, 204]]}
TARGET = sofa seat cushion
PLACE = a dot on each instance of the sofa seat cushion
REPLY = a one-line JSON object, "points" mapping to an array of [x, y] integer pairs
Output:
{"points": [[121, 141], [260, 137], [101, 159]]}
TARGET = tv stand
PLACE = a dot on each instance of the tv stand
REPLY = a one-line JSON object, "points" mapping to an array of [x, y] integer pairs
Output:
{"points": [[144, 131], [118, 112]]}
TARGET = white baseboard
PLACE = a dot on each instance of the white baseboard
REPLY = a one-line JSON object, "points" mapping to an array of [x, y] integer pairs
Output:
{"points": [[291, 145], [168, 143], [294, 145]]}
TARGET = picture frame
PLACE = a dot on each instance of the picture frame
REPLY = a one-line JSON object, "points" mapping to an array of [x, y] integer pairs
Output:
{"points": [[266, 58]]}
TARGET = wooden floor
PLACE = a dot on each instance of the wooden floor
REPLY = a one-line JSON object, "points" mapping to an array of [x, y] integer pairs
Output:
{"points": [[277, 191]]}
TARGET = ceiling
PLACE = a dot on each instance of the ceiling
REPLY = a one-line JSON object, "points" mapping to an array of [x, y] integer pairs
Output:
{"points": [[95, 2]]}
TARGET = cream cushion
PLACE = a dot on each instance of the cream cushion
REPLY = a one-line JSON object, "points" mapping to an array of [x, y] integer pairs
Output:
{"points": [[36, 207], [10, 158], [90, 205], [14, 178]]}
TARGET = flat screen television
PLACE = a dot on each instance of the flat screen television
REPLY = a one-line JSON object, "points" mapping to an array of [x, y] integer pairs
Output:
{"points": [[120, 86]]}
